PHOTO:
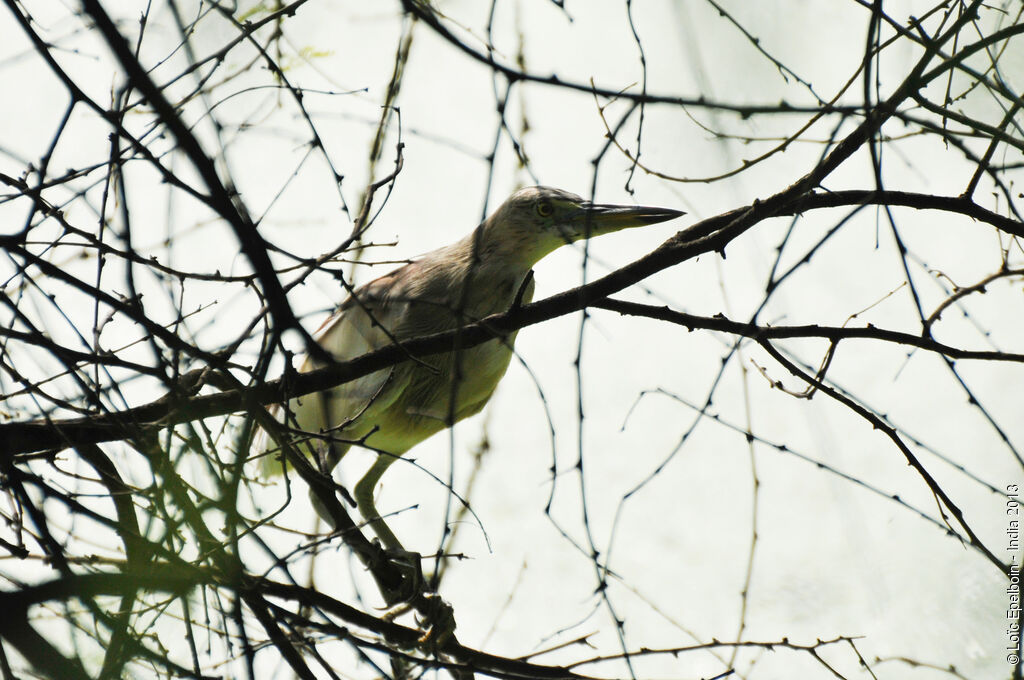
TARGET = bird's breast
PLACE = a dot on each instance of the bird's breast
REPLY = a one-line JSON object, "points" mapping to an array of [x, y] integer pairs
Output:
{"points": [[463, 383]]}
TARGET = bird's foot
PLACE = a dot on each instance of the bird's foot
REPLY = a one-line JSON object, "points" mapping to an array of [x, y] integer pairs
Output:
{"points": [[412, 581], [437, 618]]}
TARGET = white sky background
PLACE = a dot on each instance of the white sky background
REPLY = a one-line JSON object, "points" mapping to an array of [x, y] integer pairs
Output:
{"points": [[832, 557]]}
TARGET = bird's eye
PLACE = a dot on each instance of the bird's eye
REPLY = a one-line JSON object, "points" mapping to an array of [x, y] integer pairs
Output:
{"points": [[545, 209]]}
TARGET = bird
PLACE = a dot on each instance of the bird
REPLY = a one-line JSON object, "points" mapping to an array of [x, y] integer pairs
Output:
{"points": [[486, 272]]}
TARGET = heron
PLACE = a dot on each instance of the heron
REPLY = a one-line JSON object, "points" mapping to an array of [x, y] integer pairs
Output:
{"points": [[486, 272]]}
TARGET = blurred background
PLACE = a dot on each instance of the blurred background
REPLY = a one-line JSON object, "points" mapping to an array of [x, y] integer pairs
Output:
{"points": [[635, 484]]}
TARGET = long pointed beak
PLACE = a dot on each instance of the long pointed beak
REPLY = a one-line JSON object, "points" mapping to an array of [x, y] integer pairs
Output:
{"points": [[594, 219]]}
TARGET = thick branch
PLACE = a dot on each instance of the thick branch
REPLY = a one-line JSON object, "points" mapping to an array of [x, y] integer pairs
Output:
{"points": [[710, 235]]}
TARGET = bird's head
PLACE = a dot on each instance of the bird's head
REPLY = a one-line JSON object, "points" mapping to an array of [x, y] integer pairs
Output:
{"points": [[536, 220]]}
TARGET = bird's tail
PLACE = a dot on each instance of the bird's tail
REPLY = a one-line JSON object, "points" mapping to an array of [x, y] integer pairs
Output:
{"points": [[265, 452]]}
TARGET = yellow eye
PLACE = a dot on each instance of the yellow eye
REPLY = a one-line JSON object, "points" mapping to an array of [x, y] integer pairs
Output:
{"points": [[545, 209]]}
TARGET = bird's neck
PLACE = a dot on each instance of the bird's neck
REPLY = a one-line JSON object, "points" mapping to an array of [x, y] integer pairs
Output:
{"points": [[489, 273], [504, 251]]}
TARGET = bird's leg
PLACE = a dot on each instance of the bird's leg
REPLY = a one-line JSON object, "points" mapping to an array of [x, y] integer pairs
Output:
{"points": [[409, 561], [364, 501], [439, 619]]}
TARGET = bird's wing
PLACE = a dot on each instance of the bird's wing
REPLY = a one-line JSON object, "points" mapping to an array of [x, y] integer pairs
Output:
{"points": [[364, 322], [375, 316]]}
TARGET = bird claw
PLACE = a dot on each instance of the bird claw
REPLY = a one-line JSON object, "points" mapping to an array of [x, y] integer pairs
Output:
{"points": [[408, 564], [438, 620], [436, 616]]}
